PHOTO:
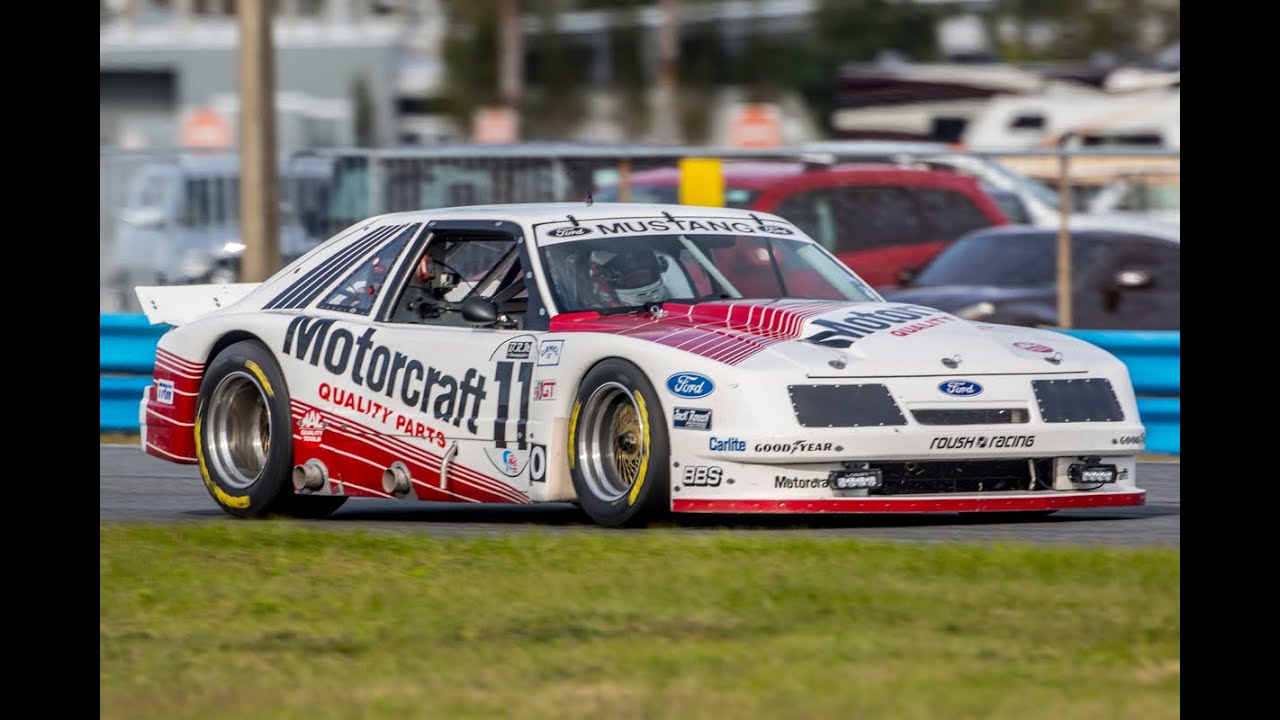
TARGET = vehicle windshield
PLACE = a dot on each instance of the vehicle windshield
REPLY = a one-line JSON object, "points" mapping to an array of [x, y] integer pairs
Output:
{"points": [[1007, 260], [631, 273]]}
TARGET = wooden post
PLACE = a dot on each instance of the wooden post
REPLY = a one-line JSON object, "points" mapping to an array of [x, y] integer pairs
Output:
{"points": [[259, 184], [1064, 239]]}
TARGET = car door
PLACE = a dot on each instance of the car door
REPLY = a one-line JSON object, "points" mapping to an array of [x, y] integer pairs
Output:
{"points": [[461, 389]]}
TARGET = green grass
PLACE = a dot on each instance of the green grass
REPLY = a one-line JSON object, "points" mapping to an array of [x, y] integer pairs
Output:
{"points": [[281, 620]]}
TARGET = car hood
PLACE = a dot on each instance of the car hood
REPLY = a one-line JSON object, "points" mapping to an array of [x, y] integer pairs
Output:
{"points": [[955, 297], [832, 339]]}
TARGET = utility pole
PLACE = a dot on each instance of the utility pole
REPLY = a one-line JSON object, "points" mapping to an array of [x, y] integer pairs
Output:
{"points": [[511, 62], [259, 184], [666, 109]]}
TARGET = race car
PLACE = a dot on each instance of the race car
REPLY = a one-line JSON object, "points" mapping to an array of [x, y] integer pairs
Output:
{"points": [[634, 359]]}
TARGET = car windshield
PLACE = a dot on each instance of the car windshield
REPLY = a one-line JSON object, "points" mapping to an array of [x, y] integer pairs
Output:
{"points": [[1006, 260], [631, 273]]}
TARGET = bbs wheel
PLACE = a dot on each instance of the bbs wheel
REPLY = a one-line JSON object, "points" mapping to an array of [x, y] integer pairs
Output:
{"points": [[618, 446], [244, 443]]}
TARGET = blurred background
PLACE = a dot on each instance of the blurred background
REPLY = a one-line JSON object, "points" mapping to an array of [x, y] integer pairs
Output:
{"points": [[943, 149]]}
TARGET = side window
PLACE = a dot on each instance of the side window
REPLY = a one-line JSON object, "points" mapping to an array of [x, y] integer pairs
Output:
{"points": [[811, 211], [950, 213], [872, 217], [358, 290], [453, 267]]}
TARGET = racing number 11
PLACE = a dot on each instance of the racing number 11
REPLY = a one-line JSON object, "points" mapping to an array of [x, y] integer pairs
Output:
{"points": [[504, 375]]}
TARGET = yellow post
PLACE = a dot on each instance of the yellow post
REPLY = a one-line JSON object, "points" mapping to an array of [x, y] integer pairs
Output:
{"points": [[701, 182], [624, 180]]}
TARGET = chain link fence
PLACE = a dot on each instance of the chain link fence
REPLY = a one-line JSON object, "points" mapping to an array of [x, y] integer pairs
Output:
{"points": [[172, 216]]}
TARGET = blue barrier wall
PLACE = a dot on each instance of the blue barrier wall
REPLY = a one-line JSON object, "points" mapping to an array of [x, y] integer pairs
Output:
{"points": [[1154, 359], [128, 355], [126, 358]]}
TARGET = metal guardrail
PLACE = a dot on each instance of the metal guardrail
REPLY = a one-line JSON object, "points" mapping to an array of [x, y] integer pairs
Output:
{"points": [[127, 347]]}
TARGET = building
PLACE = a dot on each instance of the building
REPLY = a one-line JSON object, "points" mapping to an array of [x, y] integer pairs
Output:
{"points": [[342, 69]]}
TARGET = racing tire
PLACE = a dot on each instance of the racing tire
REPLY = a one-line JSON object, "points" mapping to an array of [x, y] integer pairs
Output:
{"points": [[618, 447], [244, 437]]}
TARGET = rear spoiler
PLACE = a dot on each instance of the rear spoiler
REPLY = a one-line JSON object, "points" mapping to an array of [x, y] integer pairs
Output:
{"points": [[179, 304]]}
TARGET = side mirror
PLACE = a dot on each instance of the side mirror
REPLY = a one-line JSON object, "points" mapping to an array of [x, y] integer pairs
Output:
{"points": [[906, 276], [479, 310], [1133, 279]]}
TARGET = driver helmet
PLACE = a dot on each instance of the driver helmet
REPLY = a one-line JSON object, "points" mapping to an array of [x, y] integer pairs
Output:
{"points": [[635, 276]]}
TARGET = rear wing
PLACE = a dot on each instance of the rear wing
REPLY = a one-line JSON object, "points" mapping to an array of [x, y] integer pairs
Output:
{"points": [[179, 304]]}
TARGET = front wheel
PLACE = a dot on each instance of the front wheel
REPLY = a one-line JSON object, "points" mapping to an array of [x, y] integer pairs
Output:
{"points": [[244, 437], [618, 447]]}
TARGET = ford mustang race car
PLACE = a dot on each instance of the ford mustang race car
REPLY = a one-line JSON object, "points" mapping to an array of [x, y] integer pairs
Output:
{"points": [[635, 359]]}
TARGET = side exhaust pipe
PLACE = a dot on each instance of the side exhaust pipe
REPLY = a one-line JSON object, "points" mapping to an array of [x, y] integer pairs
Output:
{"points": [[310, 476], [396, 479]]}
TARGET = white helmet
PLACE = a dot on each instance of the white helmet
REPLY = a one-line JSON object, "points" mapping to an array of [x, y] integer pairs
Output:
{"points": [[635, 276]]}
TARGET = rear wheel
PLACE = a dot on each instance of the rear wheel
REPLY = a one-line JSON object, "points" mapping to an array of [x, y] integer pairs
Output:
{"points": [[618, 447], [244, 443]]}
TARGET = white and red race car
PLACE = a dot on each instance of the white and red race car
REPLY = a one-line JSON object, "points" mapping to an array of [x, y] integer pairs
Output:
{"points": [[635, 359]]}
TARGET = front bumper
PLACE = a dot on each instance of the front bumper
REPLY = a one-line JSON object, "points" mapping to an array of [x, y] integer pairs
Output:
{"points": [[937, 485]]}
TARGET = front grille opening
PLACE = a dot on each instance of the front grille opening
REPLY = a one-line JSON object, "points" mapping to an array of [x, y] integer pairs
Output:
{"points": [[973, 416], [869, 405], [968, 476], [1077, 400]]}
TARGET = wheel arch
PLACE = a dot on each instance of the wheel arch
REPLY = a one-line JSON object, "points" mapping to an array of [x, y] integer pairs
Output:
{"points": [[653, 408]]}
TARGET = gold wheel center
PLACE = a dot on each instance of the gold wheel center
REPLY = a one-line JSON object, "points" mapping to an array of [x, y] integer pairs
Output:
{"points": [[627, 442]]}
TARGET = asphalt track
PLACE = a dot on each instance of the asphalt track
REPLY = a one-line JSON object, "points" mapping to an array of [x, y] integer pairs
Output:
{"points": [[137, 488]]}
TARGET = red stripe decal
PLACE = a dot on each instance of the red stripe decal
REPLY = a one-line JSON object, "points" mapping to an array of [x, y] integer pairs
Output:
{"points": [[912, 505]]}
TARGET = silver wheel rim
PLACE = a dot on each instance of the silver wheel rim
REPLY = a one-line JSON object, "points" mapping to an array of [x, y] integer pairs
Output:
{"points": [[612, 443], [239, 429]]}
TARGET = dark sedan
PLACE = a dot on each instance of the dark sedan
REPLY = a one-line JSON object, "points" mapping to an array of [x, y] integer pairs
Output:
{"points": [[1121, 280]]}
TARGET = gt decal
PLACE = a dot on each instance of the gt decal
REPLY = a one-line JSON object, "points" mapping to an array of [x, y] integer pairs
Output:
{"points": [[644, 452]]}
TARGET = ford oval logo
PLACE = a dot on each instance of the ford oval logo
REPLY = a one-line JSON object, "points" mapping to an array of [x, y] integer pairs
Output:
{"points": [[960, 388], [690, 385], [563, 232]]}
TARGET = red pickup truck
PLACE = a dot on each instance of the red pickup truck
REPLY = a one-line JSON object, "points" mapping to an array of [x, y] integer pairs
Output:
{"points": [[879, 219]]}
